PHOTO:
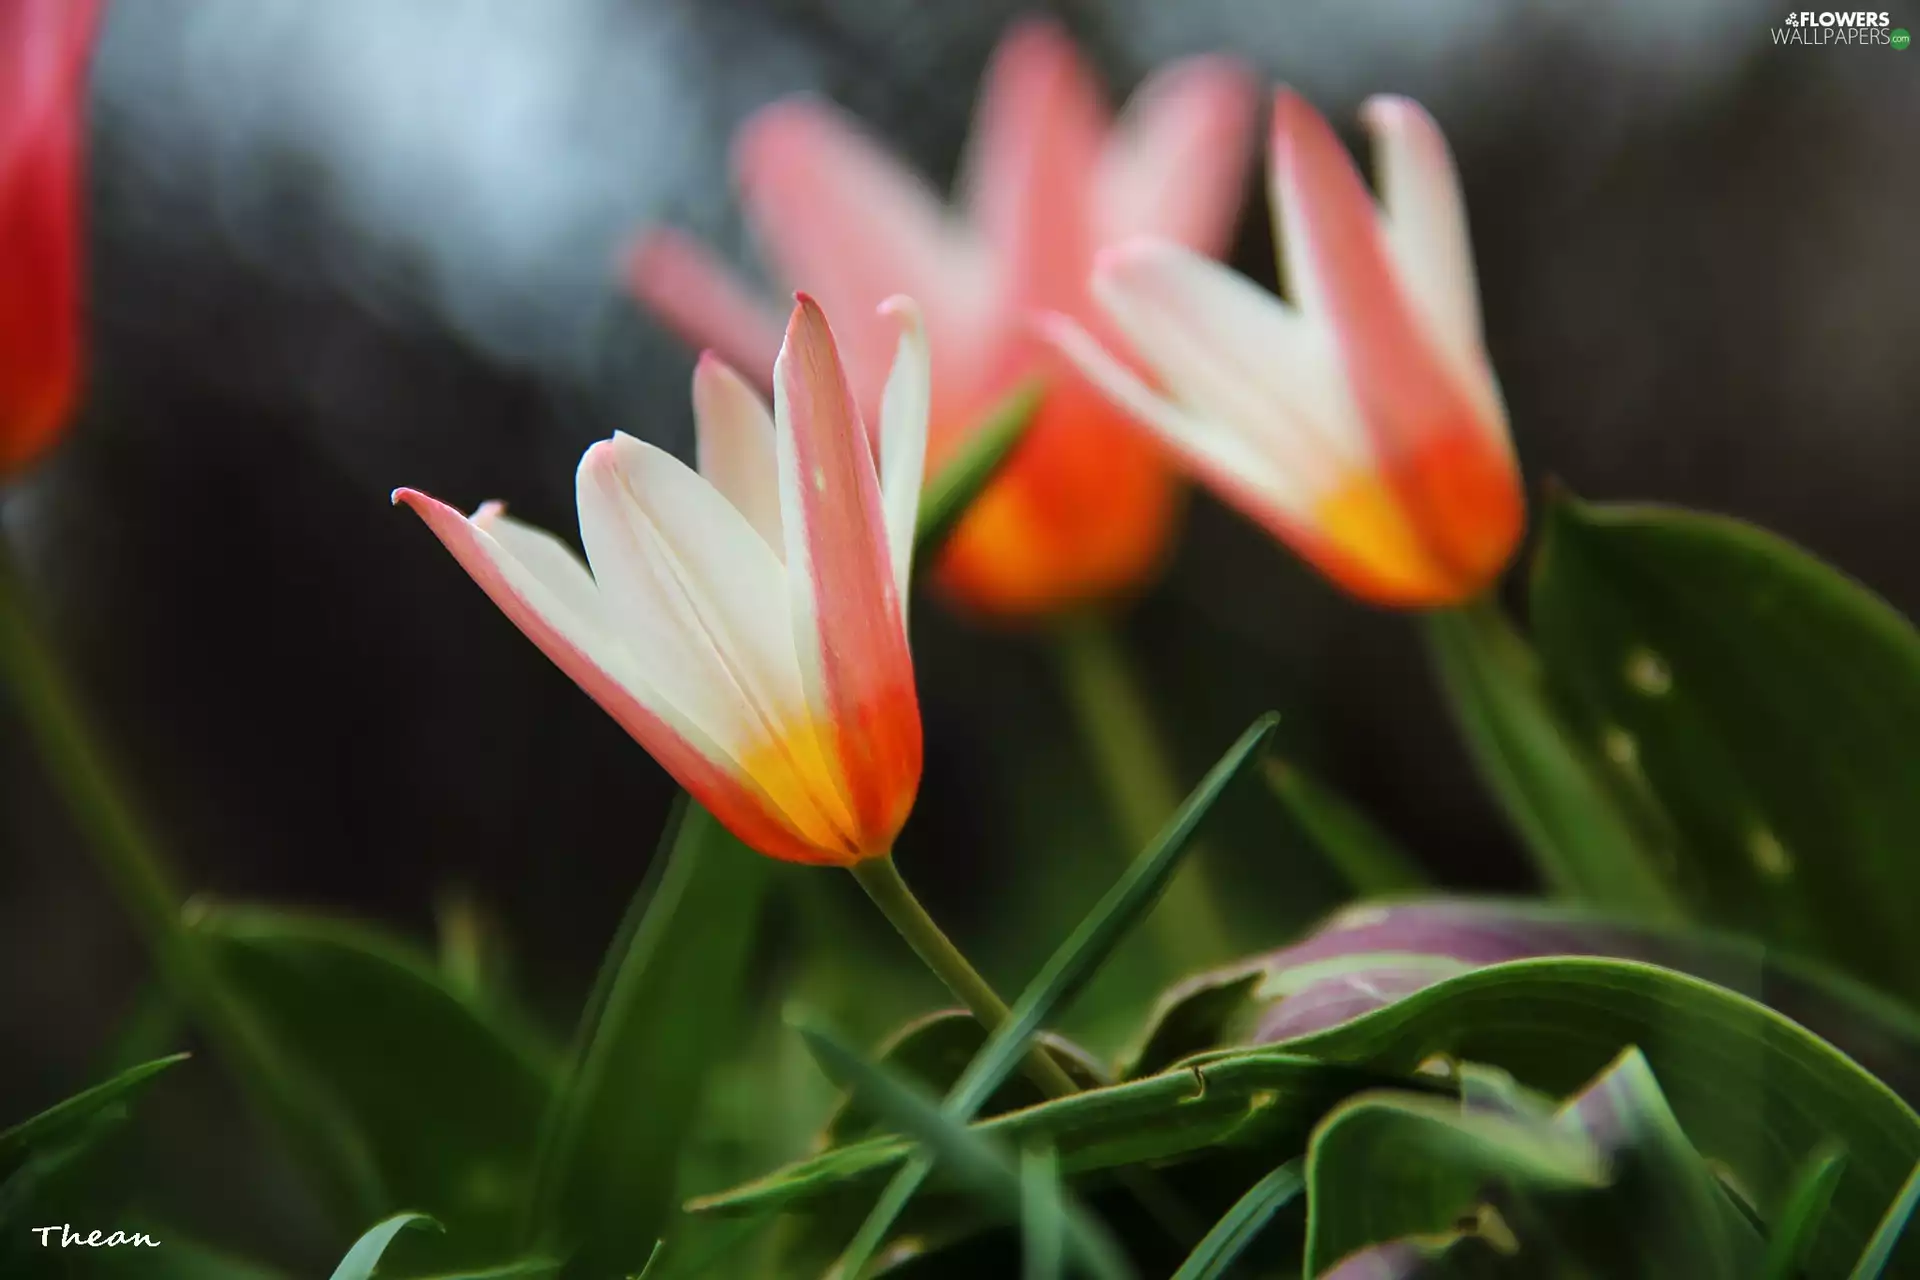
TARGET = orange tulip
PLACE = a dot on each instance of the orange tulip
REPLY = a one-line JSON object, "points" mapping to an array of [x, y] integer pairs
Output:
{"points": [[1084, 509], [1360, 421], [745, 622], [43, 56]]}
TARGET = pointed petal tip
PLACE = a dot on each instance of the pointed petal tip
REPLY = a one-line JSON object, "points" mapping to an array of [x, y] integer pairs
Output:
{"points": [[1385, 107], [784, 131], [1036, 36]]}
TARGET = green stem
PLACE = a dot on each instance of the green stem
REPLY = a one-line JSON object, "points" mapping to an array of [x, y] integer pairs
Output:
{"points": [[883, 883], [1110, 708], [132, 864]]}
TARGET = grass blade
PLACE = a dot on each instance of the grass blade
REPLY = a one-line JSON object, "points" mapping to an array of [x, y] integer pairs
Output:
{"points": [[1887, 1234], [1242, 1224], [1367, 858], [1800, 1220], [367, 1250], [972, 1160], [1065, 974], [1043, 1228], [954, 487]]}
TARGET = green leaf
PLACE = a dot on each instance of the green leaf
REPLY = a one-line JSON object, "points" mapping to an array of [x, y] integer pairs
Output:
{"points": [[1067, 972], [371, 1247], [1203, 1012], [1669, 1212], [1043, 1219], [953, 488], [1767, 701], [60, 1121], [666, 1007], [1806, 1204], [1585, 842], [442, 1090], [1370, 860], [1213, 1256], [1873, 1260], [965, 1153], [1385, 1167], [1754, 1092], [1267, 1099], [1607, 1186]]}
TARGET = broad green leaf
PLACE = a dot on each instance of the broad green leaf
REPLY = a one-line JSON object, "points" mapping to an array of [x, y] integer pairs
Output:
{"points": [[1587, 844], [1886, 1236], [1608, 1185], [444, 1091], [666, 1006], [1769, 703], [1367, 956], [1204, 1012], [61, 1120], [1806, 1204], [1215, 1255], [1663, 1209], [1372, 862], [1067, 973], [371, 1247], [1384, 1167], [951, 490], [1753, 1091], [1269, 1100], [966, 1154]]}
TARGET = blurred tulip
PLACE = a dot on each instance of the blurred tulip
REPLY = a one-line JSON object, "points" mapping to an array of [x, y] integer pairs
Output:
{"points": [[1360, 422], [745, 623], [43, 57], [1084, 509]]}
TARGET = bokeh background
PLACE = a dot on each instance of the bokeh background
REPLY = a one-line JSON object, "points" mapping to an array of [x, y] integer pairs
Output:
{"points": [[340, 246]]}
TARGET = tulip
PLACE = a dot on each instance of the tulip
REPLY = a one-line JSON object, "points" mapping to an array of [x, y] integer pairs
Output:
{"points": [[744, 622], [1084, 509], [1359, 420], [43, 58]]}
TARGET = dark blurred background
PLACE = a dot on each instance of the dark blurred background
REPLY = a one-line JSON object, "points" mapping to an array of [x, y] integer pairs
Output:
{"points": [[341, 246]]}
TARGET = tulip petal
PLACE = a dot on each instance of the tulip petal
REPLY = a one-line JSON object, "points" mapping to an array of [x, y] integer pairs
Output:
{"points": [[1029, 171], [846, 608], [903, 440], [1175, 166], [1426, 234], [545, 591], [43, 53], [1452, 472], [1236, 353], [700, 298], [733, 435], [842, 220], [700, 601], [1231, 460]]}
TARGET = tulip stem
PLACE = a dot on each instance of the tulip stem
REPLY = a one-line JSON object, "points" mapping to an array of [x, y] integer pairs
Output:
{"points": [[1111, 709], [883, 883], [130, 860]]}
